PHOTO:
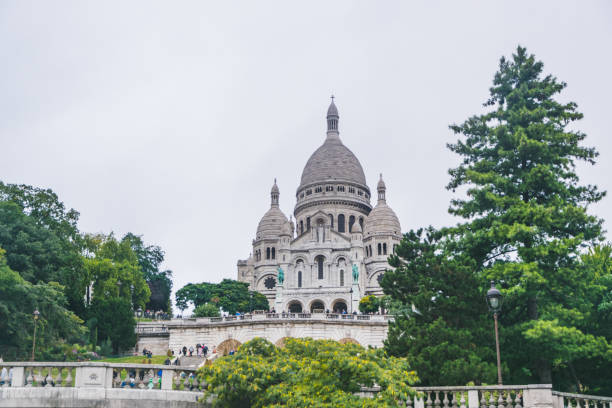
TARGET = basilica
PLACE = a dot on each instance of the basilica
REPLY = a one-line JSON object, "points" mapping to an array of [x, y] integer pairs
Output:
{"points": [[336, 250]]}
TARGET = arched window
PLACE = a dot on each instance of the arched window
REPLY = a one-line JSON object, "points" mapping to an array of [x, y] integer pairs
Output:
{"points": [[341, 223], [301, 226], [341, 278], [385, 248], [307, 223], [331, 221], [273, 253], [268, 253], [367, 252], [299, 279], [361, 222], [371, 253], [351, 222], [319, 260]]}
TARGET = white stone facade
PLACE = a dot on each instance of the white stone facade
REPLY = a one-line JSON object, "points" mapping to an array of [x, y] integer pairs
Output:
{"points": [[335, 230], [232, 331]]}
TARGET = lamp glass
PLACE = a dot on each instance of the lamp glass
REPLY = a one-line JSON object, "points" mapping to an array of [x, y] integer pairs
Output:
{"points": [[494, 302]]}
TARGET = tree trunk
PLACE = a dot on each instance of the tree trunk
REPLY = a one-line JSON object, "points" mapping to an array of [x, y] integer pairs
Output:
{"points": [[543, 367]]}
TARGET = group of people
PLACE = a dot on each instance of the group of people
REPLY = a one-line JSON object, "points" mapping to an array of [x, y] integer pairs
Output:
{"points": [[200, 350], [147, 353]]}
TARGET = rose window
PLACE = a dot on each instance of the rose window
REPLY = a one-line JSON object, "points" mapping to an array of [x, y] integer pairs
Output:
{"points": [[270, 283]]}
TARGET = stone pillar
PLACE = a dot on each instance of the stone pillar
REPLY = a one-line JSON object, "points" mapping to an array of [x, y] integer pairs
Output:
{"points": [[18, 379], [166, 383], [278, 301], [538, 396], [355, 297], [473, 398]]}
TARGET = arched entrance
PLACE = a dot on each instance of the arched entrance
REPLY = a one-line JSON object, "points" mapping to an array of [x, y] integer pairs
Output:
{"points": [[228, 345], [340, 306], [295, 306], [317, 306]]}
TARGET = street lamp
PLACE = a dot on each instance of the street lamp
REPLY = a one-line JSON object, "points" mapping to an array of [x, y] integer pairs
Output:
{"points": [[495, 300], [351, 292], [35, 314], [139, 312]]}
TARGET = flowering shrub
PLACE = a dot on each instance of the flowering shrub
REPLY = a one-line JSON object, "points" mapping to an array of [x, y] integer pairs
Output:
{"points": [[307, 373]]}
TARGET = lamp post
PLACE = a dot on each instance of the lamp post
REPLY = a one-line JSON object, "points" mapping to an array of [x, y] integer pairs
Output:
{"points": [[35, 314], [351, 292], [139, 312], [494, 300]]}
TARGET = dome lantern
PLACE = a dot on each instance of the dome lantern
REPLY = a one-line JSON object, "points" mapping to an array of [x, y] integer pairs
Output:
{"points": [[332, 119], [274, 195], [382, 188]]}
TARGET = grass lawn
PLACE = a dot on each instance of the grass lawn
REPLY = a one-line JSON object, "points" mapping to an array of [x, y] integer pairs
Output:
{"points": [[135, 360]]}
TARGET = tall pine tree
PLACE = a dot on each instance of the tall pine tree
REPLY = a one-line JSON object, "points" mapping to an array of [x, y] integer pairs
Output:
{"points": [[526, 223]]}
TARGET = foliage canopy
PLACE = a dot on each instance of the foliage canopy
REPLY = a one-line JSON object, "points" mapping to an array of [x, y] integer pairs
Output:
{"points": [[307, 373], [526, 226], [231, 295]]}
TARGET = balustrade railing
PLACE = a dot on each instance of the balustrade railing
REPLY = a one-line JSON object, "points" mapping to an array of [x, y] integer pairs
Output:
{"points": [[568, 400], [163, 377], [98, 375], [469, 397], [154, 328]]}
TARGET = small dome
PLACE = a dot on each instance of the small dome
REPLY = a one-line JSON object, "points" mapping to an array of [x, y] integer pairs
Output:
{"points": [[357, 227], [382, 220], [271, 224]]}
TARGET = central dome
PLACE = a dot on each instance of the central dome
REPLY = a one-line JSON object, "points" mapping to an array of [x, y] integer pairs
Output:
{"points": [[332, 161]]}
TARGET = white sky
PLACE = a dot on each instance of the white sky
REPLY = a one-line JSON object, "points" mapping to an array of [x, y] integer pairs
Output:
{"points": [[171, 119]]}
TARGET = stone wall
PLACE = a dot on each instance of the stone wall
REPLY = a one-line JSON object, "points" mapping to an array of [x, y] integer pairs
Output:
{"points": [[231, 332], [157, 343]]}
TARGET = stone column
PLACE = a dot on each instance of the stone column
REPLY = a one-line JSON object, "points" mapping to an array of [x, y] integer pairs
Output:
{"points": [[538, 396], [278, 301]]}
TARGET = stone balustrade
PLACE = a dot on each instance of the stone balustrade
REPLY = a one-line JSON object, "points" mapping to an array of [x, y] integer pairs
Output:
{"points": [[498, 396], [31, 383], [158, 327], [567, 400], [98, 375]]}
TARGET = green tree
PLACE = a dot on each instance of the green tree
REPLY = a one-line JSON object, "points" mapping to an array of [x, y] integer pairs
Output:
{"points": [[207, 310], [233, 296], [150, 259], [39, 252], [18, 300], [443, 328], [113, 271], [369, 304], [527, 213], [118, 288], [307, 373], [526, 226], [116, 321]]}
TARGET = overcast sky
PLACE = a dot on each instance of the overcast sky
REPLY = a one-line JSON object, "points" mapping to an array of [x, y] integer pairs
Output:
{"points": [[171, 119]]}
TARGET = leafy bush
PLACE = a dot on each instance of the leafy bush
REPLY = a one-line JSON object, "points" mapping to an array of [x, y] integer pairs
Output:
{"points": [[307, 373]]}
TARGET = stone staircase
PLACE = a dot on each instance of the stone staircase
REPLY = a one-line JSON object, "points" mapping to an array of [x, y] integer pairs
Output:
{"points": [[191, 361]]}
